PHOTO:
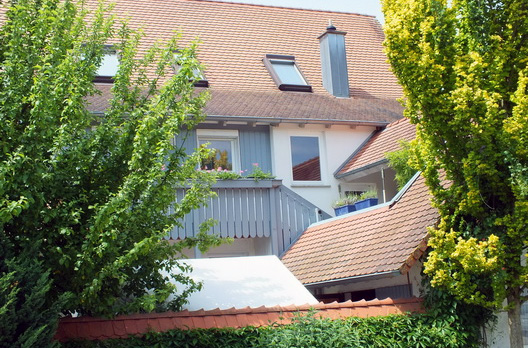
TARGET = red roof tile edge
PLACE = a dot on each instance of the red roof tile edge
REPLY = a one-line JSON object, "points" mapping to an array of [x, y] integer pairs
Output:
{"points": [[89, 328]]}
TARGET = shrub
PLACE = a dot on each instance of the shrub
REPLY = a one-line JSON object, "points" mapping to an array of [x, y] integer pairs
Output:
{"points": [[310, 331], [25, 320]]}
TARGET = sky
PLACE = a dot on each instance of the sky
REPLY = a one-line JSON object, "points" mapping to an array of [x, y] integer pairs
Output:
{"points": [[369, 7]]}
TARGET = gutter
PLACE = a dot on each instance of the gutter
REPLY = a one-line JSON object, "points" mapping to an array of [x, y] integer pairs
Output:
{"points": [[278, 120]]}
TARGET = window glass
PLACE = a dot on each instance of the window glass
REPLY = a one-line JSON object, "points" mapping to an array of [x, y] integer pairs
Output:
{"points": [[288, 72], [222, 156], [306, 164], [285, 73], [109, 64]]}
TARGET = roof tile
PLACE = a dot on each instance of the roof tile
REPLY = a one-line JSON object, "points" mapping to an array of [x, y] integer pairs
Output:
{"points": [[123, 326], [236, 37], [374, 150]]}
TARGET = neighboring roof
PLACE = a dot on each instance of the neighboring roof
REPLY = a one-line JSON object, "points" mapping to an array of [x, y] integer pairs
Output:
{"points": [[123, 326], [374, 150], [236, 37], [244, 281], [384, 239]]}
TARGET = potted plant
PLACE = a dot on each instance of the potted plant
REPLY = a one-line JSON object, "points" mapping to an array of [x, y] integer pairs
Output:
{"points": [[367, 199], [345, 204]]}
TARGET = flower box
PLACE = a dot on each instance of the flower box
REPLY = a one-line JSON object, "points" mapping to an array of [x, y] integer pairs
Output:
{"points": [[365, 203], [345, 209]]}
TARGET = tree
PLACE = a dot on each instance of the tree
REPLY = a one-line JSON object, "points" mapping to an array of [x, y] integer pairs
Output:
{"points": [[93, 192], [463, 68]]}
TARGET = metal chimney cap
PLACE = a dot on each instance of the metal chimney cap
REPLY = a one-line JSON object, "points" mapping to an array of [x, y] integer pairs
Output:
{"points": [[330, 26]]}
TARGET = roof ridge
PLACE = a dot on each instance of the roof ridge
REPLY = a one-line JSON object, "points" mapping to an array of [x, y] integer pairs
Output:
{"points": [[285, 7]]}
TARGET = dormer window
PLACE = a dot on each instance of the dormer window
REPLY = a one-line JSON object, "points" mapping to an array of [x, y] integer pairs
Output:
{"points": [[199, 79], [286, 74], [109, 65]]}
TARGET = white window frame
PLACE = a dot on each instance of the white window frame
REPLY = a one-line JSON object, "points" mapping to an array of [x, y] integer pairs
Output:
{"points": [[231, 135], [322, 161]]}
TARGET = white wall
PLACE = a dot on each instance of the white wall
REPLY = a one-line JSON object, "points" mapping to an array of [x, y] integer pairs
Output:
{"points": [[336, 144], [497, 336]]}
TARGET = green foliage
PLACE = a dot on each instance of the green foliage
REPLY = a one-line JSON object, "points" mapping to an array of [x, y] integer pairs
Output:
{"points": [[400, 161], [26, 320], [311, 332], [368, 194], [225, 174], [346, 200], [463, 67], [258, 174], [93, 193]]}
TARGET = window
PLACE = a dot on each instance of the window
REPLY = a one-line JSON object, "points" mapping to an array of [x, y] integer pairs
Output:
{"points": [[109, 65], [286, 74], [199, 77], [225, 148], [306, 162]]}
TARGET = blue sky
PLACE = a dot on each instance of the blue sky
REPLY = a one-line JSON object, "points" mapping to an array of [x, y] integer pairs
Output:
{"points": [[369, 7]]}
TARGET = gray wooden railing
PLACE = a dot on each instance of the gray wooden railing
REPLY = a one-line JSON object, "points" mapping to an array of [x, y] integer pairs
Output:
{"points": [[246, 208]]}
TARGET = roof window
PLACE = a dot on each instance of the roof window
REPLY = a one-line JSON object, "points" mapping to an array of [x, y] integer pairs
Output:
{"points": [[286, 74], [109, 65], [199, 78]]}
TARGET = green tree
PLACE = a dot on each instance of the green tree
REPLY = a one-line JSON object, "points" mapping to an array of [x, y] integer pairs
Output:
{"points": [[463, 67], [399, 161], [93, 191]]}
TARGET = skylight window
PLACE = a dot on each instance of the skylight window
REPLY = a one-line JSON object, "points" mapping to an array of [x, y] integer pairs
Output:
{"points": [[199, 79], [109, 65], [286, 74]]}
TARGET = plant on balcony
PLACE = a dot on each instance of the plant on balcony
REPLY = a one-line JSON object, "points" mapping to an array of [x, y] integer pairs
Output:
{"points": [[367, 199], [345, 204], [258, 174], [224, 174]]}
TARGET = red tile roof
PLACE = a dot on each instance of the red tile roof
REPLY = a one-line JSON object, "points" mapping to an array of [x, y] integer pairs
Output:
{"points": [[89, 328], [384, 239], [373, 152], [236, 37], [291, 106]]}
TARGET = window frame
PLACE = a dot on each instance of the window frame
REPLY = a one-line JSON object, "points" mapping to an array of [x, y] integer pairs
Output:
{"points": [[230, 135], [322, 178], [276, 77]]}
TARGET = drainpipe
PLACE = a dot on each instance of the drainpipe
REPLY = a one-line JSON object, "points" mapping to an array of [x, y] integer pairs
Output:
{"points": [[383, 185]]}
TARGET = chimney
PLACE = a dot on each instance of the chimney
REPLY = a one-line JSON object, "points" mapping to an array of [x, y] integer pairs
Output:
{"points": [[333, 61]]}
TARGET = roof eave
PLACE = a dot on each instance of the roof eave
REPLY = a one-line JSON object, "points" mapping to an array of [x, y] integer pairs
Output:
{"points": [[354, 279], [278, 120]]}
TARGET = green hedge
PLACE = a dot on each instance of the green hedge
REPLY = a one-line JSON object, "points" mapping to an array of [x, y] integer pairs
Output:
{"points": [[310, 331]]}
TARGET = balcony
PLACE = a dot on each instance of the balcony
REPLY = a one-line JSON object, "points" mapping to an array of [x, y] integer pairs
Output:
{"points": [[246, 208]]}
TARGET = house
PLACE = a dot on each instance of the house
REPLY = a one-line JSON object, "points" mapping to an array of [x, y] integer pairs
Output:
{"points": [[296, 91]]}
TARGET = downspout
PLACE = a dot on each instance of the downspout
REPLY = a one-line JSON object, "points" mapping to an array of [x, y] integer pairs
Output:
{"points": [[383, 185]]}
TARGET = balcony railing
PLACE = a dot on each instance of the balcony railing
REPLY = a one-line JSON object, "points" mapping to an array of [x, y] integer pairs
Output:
{"points": [[245, 208]]}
